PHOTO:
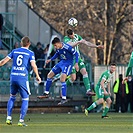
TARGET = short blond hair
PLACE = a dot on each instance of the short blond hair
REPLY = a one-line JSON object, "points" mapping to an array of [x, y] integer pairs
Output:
{"points": [[25, 41]]}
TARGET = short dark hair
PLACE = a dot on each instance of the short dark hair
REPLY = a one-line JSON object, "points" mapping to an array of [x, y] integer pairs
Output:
{"points": [[120, 75], [38, 43], [112, 64], [69, 32], [55, 40]]}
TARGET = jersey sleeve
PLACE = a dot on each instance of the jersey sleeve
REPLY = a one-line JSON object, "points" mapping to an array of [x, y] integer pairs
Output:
{"points": [[55, 56], [10, 55], [66, 39], [105, 76], [128, 71], [32, 57], [79, 37], [74, 52], [130, 65]]}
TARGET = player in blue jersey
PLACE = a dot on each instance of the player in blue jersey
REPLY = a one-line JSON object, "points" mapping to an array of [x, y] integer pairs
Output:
{"points": [[23, 59], [66, 53]]}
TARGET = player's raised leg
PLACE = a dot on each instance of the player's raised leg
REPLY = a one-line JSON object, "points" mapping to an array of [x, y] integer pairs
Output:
{"points": [[48, 85]]}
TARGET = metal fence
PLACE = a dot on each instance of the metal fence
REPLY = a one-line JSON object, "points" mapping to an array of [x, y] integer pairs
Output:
{"points": [[76, 91]]}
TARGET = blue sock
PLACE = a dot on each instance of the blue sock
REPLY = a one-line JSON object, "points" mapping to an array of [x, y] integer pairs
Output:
{"points": [[10, 105], [48, 84], [24, 108], [64, 89]]}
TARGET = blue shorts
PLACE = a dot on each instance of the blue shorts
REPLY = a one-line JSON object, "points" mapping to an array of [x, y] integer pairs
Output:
{"points": [[20, 86], [62, 67]]}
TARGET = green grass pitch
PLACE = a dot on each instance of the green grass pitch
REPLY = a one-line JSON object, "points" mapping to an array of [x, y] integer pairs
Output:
{"points": [[70, 123]]}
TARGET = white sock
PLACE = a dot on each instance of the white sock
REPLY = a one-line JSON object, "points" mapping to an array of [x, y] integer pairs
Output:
{"points": [[9, 117], [21, 120]]}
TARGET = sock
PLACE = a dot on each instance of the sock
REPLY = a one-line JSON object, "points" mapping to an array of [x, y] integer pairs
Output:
{"points": [[21, 120], [104, 104], [24, 108], [86, 81], [9, 118], [92, 106], [105, 111], [48, 85], [64, 89], [69, 81], [10, 105]]}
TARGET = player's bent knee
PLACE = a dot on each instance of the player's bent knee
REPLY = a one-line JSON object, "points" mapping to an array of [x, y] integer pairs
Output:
{"points": [[100, 101], [63, 79], [12, 95], [110, 101], [50, 74], [73, 79]]}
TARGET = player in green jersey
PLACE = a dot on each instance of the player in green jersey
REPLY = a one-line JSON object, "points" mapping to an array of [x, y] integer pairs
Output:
{"points": [[71, 38], [129, 68], [102, 90]]}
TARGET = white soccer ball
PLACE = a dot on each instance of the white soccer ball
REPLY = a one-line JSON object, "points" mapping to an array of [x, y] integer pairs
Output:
{"points": [[73, 22]]}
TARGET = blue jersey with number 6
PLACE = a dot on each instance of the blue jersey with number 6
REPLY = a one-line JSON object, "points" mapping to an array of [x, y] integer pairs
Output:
{"points": [[21, 63]]}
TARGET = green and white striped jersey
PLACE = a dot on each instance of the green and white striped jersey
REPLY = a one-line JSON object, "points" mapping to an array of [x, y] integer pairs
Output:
{"points": [[107, 77], [75, 39]]}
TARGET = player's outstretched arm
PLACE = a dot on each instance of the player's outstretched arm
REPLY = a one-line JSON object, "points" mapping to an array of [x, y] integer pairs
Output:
{"points": [[46, 62], [73, 44], [89, 44], [4, 61]]}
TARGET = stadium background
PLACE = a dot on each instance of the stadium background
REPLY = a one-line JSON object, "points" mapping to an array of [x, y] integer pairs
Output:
{"points": [[19, 20]]}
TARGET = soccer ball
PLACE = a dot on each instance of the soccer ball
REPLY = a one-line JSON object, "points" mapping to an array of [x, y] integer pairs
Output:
{"points": [[73, 22]]}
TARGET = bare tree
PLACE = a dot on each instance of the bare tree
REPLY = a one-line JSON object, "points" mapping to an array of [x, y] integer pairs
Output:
{"points": [[108, 22]]}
